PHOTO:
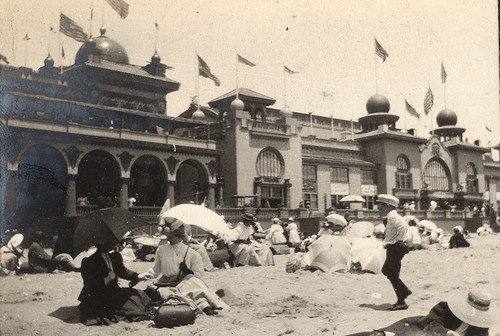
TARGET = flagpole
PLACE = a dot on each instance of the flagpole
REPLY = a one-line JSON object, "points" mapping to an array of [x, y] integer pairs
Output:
{"points": [[197, 81], [26, 39], [60, 56], [103, 8], [237, 87], [375, 57], [432, 123], [284, 86], [13, 39], [157, 29]]}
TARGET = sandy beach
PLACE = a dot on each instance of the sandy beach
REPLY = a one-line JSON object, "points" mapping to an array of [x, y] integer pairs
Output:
{"points": [[267, 300]]}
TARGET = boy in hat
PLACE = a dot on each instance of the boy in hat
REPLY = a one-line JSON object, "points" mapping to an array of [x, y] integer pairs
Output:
{"points": [[395, 232]]}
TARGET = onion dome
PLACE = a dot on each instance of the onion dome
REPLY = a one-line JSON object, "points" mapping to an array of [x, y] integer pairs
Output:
{"points": [[107, 48], [156, 59], [286, 112], [49, 62], [237, 105], [198, 115], [446, 117], [378, 103]]}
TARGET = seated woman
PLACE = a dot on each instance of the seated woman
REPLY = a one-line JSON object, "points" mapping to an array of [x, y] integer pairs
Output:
{"points": [[40, 261], [458, 239], [246, 250], [181, 267], [10, 254], [102, 300], [275, 233]]}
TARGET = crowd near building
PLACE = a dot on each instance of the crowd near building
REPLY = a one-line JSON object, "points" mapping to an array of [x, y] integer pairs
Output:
{"points": [[99, 132]]}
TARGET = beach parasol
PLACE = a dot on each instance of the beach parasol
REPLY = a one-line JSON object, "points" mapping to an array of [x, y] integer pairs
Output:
{"points": [[199, 216], [360, 229], [336, 219], [352, 198], [369, 252], [104, 225], [330, 253]]}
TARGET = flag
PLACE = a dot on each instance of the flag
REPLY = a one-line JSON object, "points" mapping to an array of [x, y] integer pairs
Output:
{"points": [[243, 60], [487, 128], [204, 70], [71, 29], [4, 59], [380, 51], [443, 74], [288, 70], [26, 37], [120, 6], [428, 101], [412, 110]]}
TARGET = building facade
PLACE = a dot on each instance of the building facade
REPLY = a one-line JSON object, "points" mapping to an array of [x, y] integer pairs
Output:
{"points": [[97, 133]]}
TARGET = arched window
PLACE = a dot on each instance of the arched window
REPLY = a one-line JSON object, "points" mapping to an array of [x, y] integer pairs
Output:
{"points": [[270, 163], [404, 179], [435, 176], [471, 178]]}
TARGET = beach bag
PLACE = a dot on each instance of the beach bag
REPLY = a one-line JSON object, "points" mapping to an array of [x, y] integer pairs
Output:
{"points": [[173, 313]]}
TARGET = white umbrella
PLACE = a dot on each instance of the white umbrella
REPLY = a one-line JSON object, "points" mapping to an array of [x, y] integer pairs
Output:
{"points": [[336, 219], [352, 198], [330, 253], [199, 216], [360, 229], [369, 252]]}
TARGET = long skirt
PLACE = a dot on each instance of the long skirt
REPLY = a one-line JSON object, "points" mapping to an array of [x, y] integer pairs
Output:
{"points": [[254, 254], [123, 304], [195, 292]]}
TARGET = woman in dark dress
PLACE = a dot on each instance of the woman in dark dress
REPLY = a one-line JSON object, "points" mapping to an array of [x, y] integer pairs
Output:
{"points": [[103, 301]]}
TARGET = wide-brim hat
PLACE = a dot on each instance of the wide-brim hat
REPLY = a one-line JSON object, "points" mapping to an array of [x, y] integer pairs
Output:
{"points": [[175, 226], [15, 242], [276, 220], [249, 217], [336, 220], [388, 199], [475, 309]]}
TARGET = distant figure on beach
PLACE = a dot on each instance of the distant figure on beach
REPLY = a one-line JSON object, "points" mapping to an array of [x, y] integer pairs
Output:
{"points": [[246, 250], [40, 261], [458, 239], [10, 254], [395, 232]]}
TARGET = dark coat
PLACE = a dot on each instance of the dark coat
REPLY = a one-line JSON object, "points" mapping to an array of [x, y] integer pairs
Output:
{"points": [[458, 240], [440, 319], [94, 270]]}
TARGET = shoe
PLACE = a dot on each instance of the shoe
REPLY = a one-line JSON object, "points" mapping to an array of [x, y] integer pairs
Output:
{"points": [[398, 306]]}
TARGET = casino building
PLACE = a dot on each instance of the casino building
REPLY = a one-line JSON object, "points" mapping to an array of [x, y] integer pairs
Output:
{"points": [[98, 133]]}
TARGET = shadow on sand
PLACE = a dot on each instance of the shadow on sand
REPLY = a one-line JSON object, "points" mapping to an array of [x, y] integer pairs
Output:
{"points": [[67, 314], [384, 306]]}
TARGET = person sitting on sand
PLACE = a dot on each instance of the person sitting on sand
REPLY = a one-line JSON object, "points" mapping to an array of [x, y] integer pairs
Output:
{"points": [[10, 254], [458, 239], [293, 235], [40, 261], [246, 250], [102, 300], [275, 233], [181, 268], [413, 239], [469, 316]]}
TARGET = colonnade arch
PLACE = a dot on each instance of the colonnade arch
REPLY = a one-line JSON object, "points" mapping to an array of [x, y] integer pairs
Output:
{"points": [[40, 182], [192, 183], [148, 179]]}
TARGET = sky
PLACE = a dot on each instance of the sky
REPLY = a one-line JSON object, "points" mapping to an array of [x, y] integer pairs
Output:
{"points": [[330, 43]]}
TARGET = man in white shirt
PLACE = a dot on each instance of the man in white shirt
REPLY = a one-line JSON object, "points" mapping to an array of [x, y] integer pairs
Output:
{"points": [[395, 232]]}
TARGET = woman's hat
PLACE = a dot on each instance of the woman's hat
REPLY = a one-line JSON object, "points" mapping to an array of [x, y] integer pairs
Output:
{"points": [[276, 220], [249, 217], [15, 242], [175, 226], [336, 220], [476, 309]]}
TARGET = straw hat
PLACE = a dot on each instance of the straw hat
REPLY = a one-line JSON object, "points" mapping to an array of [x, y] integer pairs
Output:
{"points": [[276, 220], [476, 309], [15, 242], [388, 199], [336, 220]]}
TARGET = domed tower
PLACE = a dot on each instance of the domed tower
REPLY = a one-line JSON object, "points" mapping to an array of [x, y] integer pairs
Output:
{"points": [[102, 48], [447, 125], [48, 69], [378, 107]]}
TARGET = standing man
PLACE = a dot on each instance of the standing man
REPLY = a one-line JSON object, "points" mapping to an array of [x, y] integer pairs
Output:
{"points": [[395, 232]]}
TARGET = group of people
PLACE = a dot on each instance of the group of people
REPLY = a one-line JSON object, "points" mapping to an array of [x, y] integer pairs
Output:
{"points": [[39, 259]]}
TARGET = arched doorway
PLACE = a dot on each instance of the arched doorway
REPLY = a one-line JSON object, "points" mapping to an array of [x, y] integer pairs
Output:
{"points": [[192, 183], [41, 183], [148, 179], [99, 179]]}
